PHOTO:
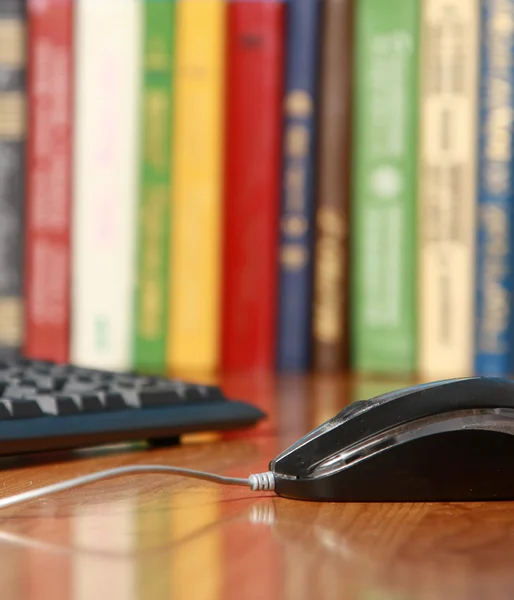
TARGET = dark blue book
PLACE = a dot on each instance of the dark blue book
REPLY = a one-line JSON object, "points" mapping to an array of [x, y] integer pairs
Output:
{"points": [[495, 211], [297, 200]]}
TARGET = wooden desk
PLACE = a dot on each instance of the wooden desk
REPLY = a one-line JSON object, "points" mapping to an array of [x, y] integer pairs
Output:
{"points": [[159, 537]]}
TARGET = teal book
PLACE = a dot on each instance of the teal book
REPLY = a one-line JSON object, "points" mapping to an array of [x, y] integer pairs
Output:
{"points": [[383, 228], [153, 223]]}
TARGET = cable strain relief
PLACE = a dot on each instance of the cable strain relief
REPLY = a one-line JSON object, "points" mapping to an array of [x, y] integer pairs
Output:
{"points": [[260, 482]]}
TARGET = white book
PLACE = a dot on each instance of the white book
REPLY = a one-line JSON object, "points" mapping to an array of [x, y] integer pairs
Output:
{"points": [[108, 38], [449, 72]]}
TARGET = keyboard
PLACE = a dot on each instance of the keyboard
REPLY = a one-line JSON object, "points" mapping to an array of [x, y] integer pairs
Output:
{"points": [[52, 406]]}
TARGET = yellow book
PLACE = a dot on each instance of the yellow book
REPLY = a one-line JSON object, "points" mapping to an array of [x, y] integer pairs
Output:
{"points": [[197, 186]]}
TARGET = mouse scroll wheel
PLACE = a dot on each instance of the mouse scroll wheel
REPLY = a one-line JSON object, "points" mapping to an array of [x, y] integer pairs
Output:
{"points": [[353, 408]]}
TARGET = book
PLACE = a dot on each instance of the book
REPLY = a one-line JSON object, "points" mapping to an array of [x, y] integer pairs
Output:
{"points": [[153, 223], [194, 302], [384, 241], [255, 72], [296, 240], [49, 160], [108, 40], [494, 317], [331, 289], [13, 130], [447, 188]]}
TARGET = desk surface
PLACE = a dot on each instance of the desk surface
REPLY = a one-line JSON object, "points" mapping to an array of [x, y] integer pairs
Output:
{"points": [[160, 537]]}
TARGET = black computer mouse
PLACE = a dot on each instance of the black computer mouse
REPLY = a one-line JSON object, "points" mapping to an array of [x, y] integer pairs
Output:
{"points": [[450, 440]]}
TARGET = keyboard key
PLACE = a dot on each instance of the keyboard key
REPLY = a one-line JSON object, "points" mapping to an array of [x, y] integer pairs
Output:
{"points": [[5, 413], [204, 393], [23, 362], [67, 405], [23, 409], [143, 382], [78, 387], [48, 404], [126, 384], [4, 383], [178, 388], [114, 401], [157, 398], [19, 391], [29, 380], [91, 403], [84, 378], [131, 398], [58, 382], [43, 383]]}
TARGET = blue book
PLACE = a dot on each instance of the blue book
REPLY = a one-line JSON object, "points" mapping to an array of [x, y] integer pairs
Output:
{"points": [[495, 214], [297, 200]]}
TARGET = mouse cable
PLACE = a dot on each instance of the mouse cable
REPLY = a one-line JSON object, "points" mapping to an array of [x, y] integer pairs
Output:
{"points": [[257, 482]]}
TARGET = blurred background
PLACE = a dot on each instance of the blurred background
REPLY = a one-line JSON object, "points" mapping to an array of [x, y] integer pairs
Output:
{"points": [[258, 186]]}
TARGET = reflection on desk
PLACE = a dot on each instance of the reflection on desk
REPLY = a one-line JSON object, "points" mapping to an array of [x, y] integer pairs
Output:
{"points": [[157, 537]]}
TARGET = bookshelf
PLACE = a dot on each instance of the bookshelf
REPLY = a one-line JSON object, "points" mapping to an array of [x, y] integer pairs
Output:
{"points": [[220, 186]]}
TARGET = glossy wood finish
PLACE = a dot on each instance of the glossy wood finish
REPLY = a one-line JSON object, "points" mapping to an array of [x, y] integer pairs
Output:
{"points": [[159, 537]]}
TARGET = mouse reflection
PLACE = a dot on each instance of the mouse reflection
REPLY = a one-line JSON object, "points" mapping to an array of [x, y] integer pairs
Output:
{"points": [[401, 551]]}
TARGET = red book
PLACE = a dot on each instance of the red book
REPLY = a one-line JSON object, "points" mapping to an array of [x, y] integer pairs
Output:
{"points": [[255, 47], [47, 247]]}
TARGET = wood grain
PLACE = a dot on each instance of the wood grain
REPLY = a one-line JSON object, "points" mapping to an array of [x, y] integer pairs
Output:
{"points": [[161, 537]]}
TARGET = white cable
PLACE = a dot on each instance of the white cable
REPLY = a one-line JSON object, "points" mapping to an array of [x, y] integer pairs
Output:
{"points": [[257, 482]]}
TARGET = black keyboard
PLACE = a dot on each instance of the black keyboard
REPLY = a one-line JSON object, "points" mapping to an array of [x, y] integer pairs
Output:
{"points": [[51, 406]]}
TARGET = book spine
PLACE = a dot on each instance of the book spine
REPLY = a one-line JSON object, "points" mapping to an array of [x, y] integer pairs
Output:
{"points": [[447, 190], [48, 202], [300, 110], [151, 299], [252, 183], [13, 26], [494, 259], [197, 179], [384, 208], [330, 336], [107, 84]]}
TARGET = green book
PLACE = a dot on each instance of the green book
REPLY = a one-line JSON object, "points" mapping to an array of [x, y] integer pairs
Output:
{"points": [[153, 223], [384, 193]]}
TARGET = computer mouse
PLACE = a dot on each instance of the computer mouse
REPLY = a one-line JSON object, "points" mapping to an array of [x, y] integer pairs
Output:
{"points": [[449, 440]]}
